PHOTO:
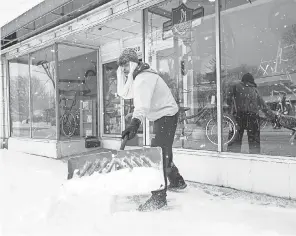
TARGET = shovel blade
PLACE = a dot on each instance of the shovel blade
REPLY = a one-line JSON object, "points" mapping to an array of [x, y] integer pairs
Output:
{"points": [[85, 163], [106, 162], [148, 157]]}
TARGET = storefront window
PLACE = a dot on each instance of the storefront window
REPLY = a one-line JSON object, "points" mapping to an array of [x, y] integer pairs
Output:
{"points": [[19, 97], [43, 93], [184, 56], [260, 38], [78, 92]]}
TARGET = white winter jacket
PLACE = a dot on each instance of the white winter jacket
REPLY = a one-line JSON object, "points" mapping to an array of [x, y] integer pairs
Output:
{"points": [[152, 97]]}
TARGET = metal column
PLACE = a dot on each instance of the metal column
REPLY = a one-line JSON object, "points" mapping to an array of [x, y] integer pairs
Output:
{"points": [[30, 97], [101, 94], [57, 93], [122, 116], [98, 95], [218, 75], [7, 96], [146, 125], [2, 104]]}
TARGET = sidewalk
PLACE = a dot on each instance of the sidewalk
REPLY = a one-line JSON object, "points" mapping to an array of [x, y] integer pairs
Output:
{"points": [[34, 202]]}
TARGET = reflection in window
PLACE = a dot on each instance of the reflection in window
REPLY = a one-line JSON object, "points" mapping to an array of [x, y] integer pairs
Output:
{"points": [[78, 102], [19, 97], [112, 114], [263, 45], [187, 64], [43, 94]]}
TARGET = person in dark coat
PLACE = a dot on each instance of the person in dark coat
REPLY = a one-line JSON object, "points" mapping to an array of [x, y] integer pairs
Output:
{"points": [[245, 102]]}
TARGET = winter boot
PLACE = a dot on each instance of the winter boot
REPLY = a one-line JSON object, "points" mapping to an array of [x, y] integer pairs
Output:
{"points": [[177, 184], [176, 180], [155, 202]]}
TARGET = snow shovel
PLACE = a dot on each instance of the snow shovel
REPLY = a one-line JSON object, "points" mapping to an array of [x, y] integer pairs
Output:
{"points": [[105, 162]]}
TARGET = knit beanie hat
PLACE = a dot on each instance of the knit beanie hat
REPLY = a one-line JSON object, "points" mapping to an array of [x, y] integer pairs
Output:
{"points": [[128, 54]]}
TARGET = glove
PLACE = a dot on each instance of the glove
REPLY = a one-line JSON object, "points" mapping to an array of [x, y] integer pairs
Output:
{"points": [[131, 129]]}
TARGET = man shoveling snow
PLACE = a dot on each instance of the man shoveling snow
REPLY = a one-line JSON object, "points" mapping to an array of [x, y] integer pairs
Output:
{"points": [[152, 100]]}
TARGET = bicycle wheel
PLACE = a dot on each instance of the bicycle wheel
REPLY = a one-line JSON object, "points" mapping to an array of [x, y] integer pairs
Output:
{"points": [[68, 124], [229, 130]]}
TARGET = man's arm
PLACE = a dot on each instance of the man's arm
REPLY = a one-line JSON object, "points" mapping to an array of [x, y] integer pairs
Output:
{"points": [[230, 95], [264, 108], [144, 86]]}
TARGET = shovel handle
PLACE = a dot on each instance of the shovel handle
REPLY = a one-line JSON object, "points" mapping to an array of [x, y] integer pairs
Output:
{"points": [[123, 143]]}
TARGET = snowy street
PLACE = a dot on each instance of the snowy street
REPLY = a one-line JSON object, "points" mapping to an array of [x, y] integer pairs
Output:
{"points": [[36, 199]]}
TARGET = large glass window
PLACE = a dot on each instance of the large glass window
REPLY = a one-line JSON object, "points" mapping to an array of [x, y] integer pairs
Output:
{"points": [[19, 97], [181, 47], [260, 38], [78, 92], [43, 93]]}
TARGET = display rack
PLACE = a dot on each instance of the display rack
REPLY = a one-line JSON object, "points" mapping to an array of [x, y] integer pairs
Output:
{"points": [[87, 118]]}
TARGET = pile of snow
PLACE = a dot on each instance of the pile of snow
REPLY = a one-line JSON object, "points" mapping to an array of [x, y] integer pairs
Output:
{"points": [[103, 192], [139, 180]]}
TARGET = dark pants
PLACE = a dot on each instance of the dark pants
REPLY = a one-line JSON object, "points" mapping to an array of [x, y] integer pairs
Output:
{"points": [[251, 123], [164, 130]]}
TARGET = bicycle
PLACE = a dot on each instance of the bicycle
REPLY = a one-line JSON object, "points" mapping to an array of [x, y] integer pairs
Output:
{"points": [[264, 122], [281, 120], [207, 117], [68, 120]]}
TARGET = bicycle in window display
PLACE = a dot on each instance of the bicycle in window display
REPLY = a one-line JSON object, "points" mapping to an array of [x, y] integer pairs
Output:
{"points": [[68, 120], [206, 117]]}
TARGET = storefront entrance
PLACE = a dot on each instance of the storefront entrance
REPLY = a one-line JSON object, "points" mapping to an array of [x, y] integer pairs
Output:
{"points": [[112, 37]]}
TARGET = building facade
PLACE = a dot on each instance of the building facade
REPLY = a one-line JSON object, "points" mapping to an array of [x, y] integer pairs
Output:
{"points": [[59, 85]]}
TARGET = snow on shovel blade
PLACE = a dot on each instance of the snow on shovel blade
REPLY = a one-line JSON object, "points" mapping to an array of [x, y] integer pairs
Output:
{"points": [[107, 162], [144, 157], [88, 164]]}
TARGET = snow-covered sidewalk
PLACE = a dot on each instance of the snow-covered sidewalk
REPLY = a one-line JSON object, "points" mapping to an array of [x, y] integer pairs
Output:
{"points": [[36, 199]]}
